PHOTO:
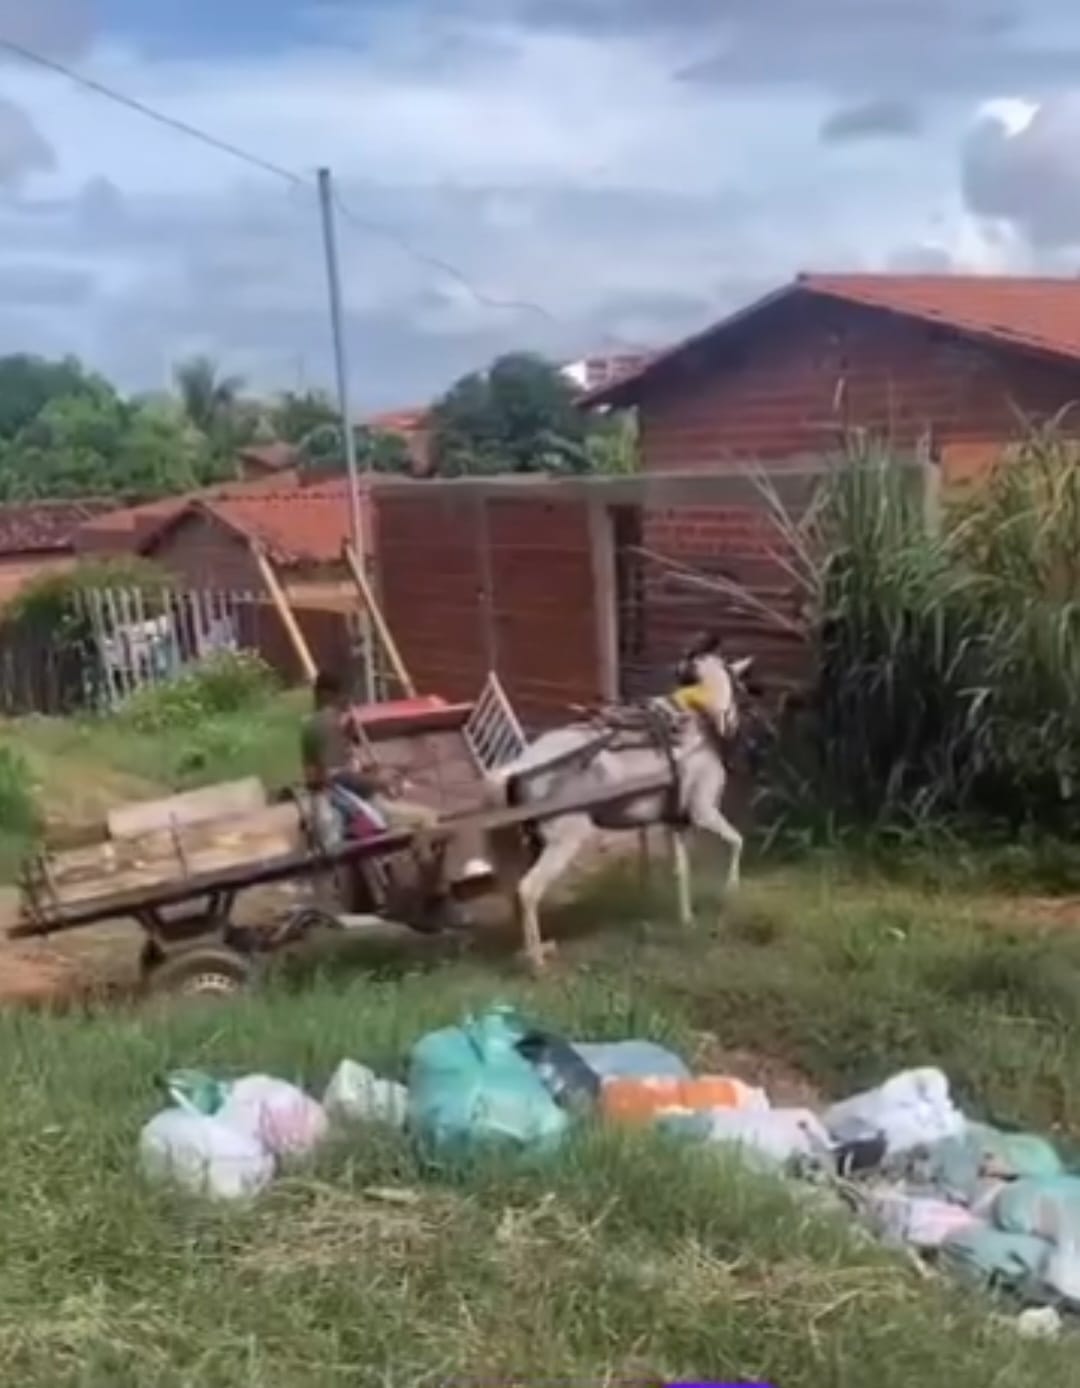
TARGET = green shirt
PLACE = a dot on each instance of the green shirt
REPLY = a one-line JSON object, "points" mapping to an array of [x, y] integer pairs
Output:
{"points": [[324, 748]]}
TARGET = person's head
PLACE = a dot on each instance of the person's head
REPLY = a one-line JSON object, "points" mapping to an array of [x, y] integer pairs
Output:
{"points": [[329, 689]]}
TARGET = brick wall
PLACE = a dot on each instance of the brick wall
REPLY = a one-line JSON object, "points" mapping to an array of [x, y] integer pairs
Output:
{"points": [[788, 381], [692, 562], [203, 554], [474, 583]]}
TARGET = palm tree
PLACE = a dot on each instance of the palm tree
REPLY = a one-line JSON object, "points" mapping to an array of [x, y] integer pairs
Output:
{"points": [[209, 399]]}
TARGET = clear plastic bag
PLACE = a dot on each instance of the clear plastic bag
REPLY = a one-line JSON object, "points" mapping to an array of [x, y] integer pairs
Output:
{"points": [[204, 1156], [356, 1094], [285, 1120]]}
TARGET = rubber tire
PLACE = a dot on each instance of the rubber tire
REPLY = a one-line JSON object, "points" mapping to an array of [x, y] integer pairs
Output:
{"points": [[201, 971]]}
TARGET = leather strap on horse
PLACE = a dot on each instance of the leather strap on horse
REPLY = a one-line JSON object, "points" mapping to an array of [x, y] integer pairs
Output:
{"points": [[662, 729]]}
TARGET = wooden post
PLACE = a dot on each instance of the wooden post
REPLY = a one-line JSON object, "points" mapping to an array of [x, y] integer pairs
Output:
{"points": [[605, 598], [931, 492], [386, 637], [285, 612], [482, 540]]}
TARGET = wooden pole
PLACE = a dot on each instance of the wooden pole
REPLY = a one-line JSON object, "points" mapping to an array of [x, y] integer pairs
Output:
{"points": [[285, 612], [382, 629]]}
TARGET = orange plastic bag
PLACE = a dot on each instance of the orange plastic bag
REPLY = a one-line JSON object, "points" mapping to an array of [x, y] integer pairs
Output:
{"points": [[642, 1100]]}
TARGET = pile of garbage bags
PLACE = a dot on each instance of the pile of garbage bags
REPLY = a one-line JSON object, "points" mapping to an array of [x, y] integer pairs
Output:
{"points": [[993, 1207]]}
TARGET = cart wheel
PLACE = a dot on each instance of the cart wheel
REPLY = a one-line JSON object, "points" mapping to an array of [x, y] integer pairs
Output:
{"points": [[204, 971]]}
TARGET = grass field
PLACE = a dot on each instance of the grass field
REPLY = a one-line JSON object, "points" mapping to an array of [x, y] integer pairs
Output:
{"points": [[79, 768], [622, 1260]]}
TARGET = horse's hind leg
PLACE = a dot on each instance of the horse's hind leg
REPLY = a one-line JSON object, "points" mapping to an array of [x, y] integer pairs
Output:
{"points": [[680, 860], [563, 841]]}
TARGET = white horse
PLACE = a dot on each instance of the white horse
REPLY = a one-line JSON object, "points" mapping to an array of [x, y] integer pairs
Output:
{"points": [[687, 741]]}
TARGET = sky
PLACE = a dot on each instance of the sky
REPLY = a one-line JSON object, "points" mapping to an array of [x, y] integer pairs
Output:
{"points": [[565, 176]]}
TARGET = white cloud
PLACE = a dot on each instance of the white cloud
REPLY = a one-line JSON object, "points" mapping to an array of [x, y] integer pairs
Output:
{"points": [[565, 166]]}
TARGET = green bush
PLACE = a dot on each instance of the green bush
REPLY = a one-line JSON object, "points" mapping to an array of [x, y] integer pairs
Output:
{"points": [[949, 678], [228, 682], [18, 812], [53, 603]]}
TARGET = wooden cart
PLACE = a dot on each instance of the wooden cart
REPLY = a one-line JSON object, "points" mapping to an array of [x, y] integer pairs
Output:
{"points": [[178, 866]]}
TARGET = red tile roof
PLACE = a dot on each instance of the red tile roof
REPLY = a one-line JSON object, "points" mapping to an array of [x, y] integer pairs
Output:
{"points": [[126, 527], [296, 525], [270, 457], [39, 527], [1033, 314], [407, 421]]}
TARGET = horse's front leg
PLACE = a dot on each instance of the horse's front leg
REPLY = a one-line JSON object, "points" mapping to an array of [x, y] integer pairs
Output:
{"points": [[713, 822], [703, 810]]}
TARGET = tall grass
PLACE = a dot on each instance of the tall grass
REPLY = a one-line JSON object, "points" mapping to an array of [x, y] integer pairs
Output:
{"points": [[949, 679], [623, 1260]]}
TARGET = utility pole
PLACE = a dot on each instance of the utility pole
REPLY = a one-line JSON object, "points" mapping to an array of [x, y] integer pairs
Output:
{"points": [[333, 279]]}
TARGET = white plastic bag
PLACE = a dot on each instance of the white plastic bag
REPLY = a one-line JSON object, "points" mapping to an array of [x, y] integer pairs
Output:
{"points": [[285, 1120], [204, 1156], [778, 1135], [913, 1109], [921, 1221], [356, 1094]]}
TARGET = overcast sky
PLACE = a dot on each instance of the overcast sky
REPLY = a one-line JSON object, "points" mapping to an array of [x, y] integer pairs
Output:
{"points": [[634, 168]]}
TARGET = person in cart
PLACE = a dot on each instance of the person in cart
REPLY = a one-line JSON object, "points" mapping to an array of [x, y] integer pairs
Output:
{"points": [[366, 796]]}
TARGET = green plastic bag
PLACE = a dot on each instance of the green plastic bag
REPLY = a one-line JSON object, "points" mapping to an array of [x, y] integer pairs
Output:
{"points": [[194, 1091], [470, 1087]]}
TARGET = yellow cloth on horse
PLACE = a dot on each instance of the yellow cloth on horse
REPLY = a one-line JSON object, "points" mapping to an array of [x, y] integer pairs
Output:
{"points": [[692, 698]]}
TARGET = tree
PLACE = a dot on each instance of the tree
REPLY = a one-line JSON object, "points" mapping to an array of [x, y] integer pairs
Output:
{"points": [[210, 400], [376, 451], [518, 417], [27, 384], [613, 444], [97, 444], [296, 415]]}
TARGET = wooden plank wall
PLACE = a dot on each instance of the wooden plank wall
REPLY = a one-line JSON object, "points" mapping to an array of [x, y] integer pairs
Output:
{"points": [[473, 583]]}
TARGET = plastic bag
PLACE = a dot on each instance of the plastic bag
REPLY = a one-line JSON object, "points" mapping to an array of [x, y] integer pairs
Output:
{"points": [[285, 1120], [1049, 1207], [990, 1257], [775, 1137], [913, 1109], [920, 1221], [642, 1100], [468, 1085], [631, 1060], [356, 1094], [203, 1155], [567, 1078], [194, 1091]]}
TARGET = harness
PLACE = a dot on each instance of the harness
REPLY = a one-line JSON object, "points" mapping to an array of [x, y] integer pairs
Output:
{"points": [[656, 723]]}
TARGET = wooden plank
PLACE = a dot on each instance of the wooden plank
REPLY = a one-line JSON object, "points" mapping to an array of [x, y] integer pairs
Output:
{"points": [[48, 917], [189, 808], [570, 803], [165, 854], [285, 612], [389, 645], [605, 597]]}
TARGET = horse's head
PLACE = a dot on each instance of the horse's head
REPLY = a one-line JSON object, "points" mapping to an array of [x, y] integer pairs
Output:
{"points": [[721, 681]]}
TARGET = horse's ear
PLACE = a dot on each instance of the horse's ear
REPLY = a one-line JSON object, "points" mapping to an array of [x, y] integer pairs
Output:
{"points": [[705, 643]]}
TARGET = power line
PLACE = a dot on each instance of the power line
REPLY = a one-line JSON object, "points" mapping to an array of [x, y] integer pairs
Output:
{"points": [[382, 229], [444, 267], [132, 104]]}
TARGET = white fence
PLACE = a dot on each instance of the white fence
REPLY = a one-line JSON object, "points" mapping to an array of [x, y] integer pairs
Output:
{"points": [[143, 637]]}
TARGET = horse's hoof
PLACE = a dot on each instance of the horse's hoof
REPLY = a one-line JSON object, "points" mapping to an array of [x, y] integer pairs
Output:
{"points": [[536, 961]]}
